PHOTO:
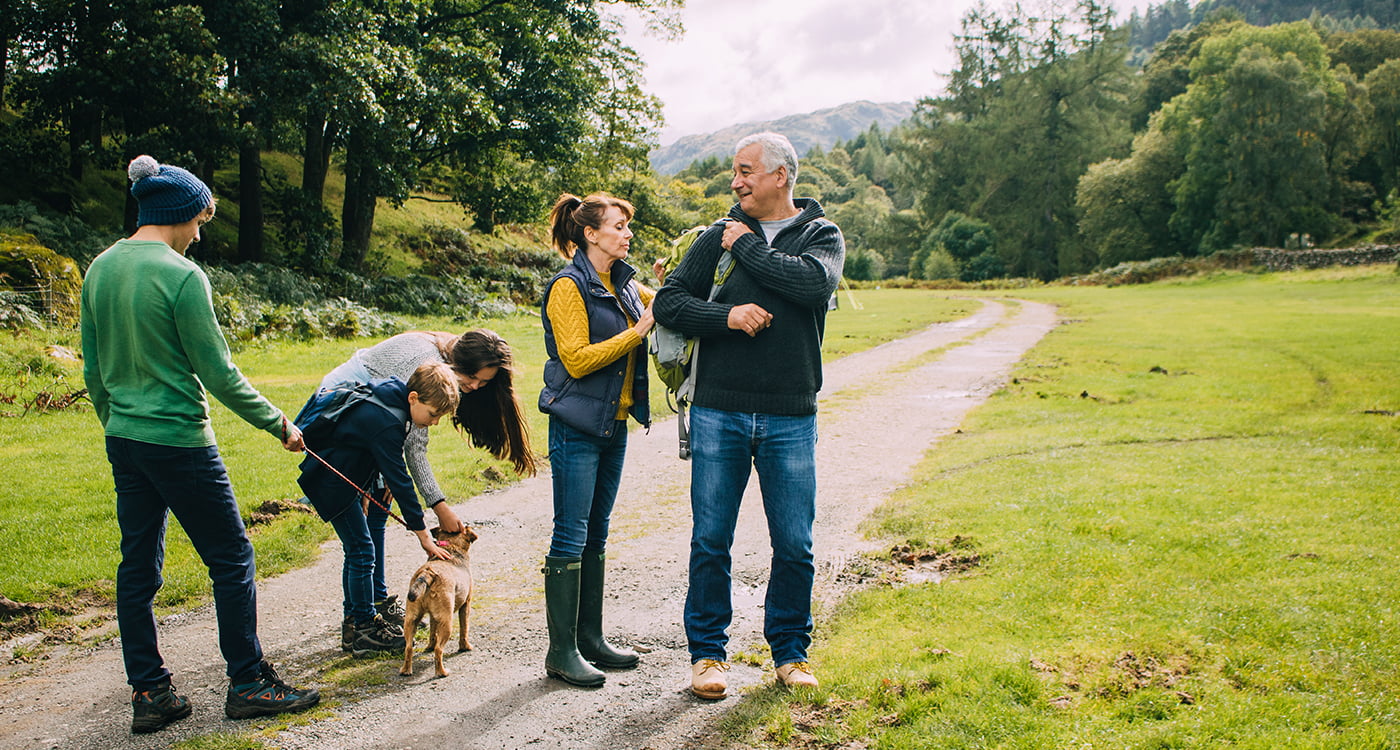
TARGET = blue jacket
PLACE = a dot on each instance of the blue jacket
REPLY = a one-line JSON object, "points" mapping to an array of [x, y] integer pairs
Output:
{"points": [[589, 404], [367, 443]]}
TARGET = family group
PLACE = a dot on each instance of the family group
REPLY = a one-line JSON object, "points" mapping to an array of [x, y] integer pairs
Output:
{"points": [[752, 292]]}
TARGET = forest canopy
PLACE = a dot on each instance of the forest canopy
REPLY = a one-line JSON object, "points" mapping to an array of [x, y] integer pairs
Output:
{"points": [[1064, 140]]}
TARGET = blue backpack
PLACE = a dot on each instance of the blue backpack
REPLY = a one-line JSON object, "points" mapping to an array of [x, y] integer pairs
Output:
{"points": [[318, 417]]}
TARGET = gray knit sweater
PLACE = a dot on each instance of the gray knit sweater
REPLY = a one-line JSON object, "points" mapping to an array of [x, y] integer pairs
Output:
{"points": [[779, 371], [397, 357]]}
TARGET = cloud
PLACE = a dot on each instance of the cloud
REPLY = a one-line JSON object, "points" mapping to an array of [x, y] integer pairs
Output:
{"points": [[746, 60]]}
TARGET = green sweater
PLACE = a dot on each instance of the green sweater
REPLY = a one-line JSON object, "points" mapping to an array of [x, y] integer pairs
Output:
{"points": [[152, 346]]}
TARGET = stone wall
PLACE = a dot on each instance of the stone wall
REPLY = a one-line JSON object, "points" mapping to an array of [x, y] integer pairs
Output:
{"points": [[1275, 259]]}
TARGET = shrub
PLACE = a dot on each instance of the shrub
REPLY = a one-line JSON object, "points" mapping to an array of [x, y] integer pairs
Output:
{"points": [[50, 281], [985, 266], [275, 284], [65, 234], [16, 314], [248, 318], [939, 265], [864, 264]]}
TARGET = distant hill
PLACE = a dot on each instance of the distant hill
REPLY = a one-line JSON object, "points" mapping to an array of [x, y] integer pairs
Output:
{"points": [[821, 128]]}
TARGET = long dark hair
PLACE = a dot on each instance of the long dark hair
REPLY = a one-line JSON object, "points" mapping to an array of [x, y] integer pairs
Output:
{"points": [[491, 414], [571, 214]]}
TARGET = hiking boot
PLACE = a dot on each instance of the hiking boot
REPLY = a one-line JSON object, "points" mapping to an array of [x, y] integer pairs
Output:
{"points": [[267, 695], [377, 636], [391, 609], [797, 674], [347, 634], [707, 679], [153, 709]]}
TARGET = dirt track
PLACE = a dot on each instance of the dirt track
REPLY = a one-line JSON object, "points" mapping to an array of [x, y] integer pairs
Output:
{"points": [[879, 416]]}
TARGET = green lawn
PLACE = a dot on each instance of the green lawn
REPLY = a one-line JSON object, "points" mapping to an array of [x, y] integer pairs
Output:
{"points": [[59, 530], [1186, 513]]}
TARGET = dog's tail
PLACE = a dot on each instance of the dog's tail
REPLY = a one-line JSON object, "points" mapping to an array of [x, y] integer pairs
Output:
{"points": [[420, 584]]}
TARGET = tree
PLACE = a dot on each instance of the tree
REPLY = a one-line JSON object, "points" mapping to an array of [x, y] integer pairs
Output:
{"points": [[14, 15], [1383, 89], [1125, 205], [963, 236], [1035, 100], [249, 35], [1253, 122], [1168, 71], [1363, 51]]}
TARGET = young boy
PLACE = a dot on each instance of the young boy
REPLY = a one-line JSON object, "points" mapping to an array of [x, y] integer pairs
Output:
{"points": [[151, 349], [367, 442]]}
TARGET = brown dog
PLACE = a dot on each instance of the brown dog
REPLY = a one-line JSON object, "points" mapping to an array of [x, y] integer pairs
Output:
{"points": [[438, 589]]}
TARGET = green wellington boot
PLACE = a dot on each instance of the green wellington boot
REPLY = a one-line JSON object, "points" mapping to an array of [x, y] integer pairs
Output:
{"points": [[561, 590], [591, 644]]}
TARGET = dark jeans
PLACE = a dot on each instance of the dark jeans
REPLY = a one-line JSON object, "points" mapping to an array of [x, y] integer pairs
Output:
{"points": [[376, 516], [587, 471], [193, 484], [357, 573]]}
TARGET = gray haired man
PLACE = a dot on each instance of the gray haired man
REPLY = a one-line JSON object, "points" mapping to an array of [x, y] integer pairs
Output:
{"points": [[755, 400]]}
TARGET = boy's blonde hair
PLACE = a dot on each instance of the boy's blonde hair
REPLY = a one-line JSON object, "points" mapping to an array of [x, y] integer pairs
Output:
{"points": [[436, 386]]}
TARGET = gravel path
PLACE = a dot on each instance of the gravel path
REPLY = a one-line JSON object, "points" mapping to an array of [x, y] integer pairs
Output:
{"points": [[882, 410]]}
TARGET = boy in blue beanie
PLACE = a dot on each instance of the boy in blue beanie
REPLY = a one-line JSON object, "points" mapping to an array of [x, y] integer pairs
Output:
{"points": [[367, 443], [152, 349]]}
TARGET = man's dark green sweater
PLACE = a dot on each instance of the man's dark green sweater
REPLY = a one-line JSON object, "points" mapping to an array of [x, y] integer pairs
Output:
{"points": [[778, 371]]}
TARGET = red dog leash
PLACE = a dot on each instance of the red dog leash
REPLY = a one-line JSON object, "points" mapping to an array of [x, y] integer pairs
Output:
{"points": [[366, 495]]}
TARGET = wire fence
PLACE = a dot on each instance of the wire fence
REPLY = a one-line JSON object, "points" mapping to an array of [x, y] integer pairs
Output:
{"points": [[42, 299]]}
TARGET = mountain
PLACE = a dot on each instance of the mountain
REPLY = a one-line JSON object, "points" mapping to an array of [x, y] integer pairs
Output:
{"points": [[821, 128]]}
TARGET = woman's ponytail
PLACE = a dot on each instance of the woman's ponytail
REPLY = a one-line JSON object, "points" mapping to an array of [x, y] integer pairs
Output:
{"points": [[564, 232]]}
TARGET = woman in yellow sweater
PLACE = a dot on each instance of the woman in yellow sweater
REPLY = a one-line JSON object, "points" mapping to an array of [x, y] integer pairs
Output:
{"points": [[596, 318]]}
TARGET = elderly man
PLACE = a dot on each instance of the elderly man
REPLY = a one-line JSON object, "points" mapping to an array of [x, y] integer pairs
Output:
{"points": [[758, 370]]}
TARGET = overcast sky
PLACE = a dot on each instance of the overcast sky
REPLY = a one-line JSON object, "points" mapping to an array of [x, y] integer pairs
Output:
{"points": [[748, 60]]}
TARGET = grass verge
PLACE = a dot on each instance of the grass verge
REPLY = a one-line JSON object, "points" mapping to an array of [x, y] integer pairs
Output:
{"points": [[1183, 513]]}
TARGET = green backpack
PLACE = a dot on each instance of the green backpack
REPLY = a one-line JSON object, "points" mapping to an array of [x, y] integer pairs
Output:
{"points": [[673, 353]]}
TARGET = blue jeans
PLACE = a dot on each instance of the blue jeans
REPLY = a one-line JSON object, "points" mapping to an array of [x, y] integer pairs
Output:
{"points": [[357, 572], [376, 518], [586, 471], [726, 445], [192, 483]]}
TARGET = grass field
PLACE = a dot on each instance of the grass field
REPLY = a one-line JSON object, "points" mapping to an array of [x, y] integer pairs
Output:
{"points": [[59, 530], [1183, 508], [1185, 511]]}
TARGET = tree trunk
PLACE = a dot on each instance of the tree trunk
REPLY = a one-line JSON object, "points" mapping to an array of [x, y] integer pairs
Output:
{"points": [[357, 218], [4, 59], [77, 137], [316, 158], [129, 211], [250, 206]]}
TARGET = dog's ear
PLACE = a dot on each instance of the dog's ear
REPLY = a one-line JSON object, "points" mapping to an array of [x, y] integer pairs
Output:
{"points": [[436, 531], [471, 535]]}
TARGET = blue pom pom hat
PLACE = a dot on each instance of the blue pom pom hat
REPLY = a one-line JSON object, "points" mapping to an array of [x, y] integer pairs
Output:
{"points": [[166, 194]]}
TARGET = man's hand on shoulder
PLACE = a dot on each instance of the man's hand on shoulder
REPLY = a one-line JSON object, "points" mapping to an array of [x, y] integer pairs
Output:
{"points": [[733, 230]]}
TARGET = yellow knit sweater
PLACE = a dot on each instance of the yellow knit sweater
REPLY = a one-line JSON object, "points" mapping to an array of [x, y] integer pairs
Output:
{"points": [[569, 318]]}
